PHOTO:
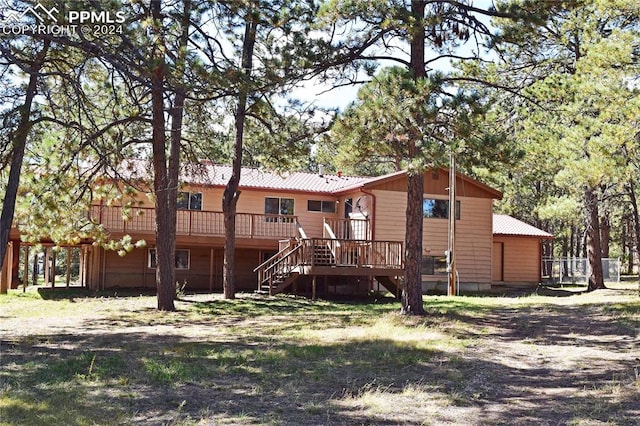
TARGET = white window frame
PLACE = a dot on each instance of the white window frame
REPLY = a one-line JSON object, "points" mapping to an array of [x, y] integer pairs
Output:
{"points": [[323, 203], [189, 195], [439, 200], [279, 217]]}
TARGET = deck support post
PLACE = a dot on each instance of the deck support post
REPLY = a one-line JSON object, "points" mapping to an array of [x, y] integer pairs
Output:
{"points": [[68, 266], [45, 263], [25, 270], [5, 275], [81, 270], [53, 269], [314, 295], [15, 265], [211, 267]]}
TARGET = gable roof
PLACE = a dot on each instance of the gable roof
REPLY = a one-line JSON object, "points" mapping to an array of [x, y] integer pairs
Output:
{"points": [[206, 173], [381, 180], [510, 226]]}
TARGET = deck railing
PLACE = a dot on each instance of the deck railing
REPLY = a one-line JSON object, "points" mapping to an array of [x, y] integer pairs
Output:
{"points": [[348, 229], [195, 222], [312, 252], [355, 253]]}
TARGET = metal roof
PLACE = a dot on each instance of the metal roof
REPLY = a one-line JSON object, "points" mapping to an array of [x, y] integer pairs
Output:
{"points": [[506, 225], [208, 174]]}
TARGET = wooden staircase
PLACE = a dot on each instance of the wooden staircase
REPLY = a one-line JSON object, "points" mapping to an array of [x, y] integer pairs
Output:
{"points": [[393, 285], [283, 269], [322, 256], [331, 256]]}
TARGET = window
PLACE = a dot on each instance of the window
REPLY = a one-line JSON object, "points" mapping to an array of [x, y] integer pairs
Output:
{"points": [[189, 201], [434, 265], [321, 206], [182, 259], [438, 209], [279, 206]]}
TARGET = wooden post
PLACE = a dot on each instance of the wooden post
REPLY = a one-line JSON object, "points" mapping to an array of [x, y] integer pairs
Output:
{"points": [[451, 254], [103, 278], [34, 270], [313, 289], [5, 276], [53, 269], [25, 271], [81, 274], [15, 265], [211, 268], [68, 266], [46, 265]]}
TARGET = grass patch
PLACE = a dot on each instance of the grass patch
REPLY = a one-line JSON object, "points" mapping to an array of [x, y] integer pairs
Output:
{"points": [[78, 358]]}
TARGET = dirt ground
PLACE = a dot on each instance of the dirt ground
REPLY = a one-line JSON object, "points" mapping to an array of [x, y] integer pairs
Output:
{"points": [[556, 358]]}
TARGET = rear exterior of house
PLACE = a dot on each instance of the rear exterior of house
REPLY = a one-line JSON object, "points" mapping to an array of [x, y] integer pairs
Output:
{"points": [[302, 231]]}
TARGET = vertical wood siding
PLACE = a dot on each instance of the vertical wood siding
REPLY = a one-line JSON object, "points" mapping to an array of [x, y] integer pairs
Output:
{"points": [[521, 259], [473, 239]]}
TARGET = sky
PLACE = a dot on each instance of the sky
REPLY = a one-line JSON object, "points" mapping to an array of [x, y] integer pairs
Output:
{"points": [[324, 96]]}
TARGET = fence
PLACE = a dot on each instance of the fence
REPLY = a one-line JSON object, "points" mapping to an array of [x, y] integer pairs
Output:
{"points": [[576, 270]]}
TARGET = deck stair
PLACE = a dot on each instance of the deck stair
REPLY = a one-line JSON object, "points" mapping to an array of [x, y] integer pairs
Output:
{"points": [[323, 256], [331, 256], [280, 271], [393, 285]]}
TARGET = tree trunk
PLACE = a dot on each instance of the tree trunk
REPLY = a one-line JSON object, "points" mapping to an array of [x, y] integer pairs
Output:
{"points": [[165, 227], [605, 234], [630, 243], [19, 140], [231, 193], [176, 113], [594, 250], [412, 291]]}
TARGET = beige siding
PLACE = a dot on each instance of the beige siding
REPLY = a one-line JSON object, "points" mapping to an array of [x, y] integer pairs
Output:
{"points": [[474, 232], [521, 262], [497, 261], [311, 222], [474, 240], [204, 273]]}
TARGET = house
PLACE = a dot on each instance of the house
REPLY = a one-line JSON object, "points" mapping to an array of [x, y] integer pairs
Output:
{"points": [[304, 232]]}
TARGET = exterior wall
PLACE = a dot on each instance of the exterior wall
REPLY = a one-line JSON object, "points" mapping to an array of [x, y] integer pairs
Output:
{"points": [[204, 273], [253, 202], [473, 240], [521, 259]]}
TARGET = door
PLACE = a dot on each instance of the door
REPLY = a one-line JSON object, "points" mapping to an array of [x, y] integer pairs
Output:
{"points": [[497, 268]]}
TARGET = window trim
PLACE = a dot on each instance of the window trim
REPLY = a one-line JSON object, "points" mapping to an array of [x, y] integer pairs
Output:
{"points": [[189, 195], [436, 260], [279, 217], [150, 257], [322, 204], [458, 214]]}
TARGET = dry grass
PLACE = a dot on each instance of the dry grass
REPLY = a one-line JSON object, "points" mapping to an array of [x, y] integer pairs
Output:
{"points": [[545, 359]]}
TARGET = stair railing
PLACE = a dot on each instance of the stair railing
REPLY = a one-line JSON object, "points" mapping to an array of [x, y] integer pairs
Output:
{"points": [[282, 263], [282, 267], [333, 243]]}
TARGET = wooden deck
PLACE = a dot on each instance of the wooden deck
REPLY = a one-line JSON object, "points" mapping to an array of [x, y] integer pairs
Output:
{"points": [[331, 257], [141, 220]]}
